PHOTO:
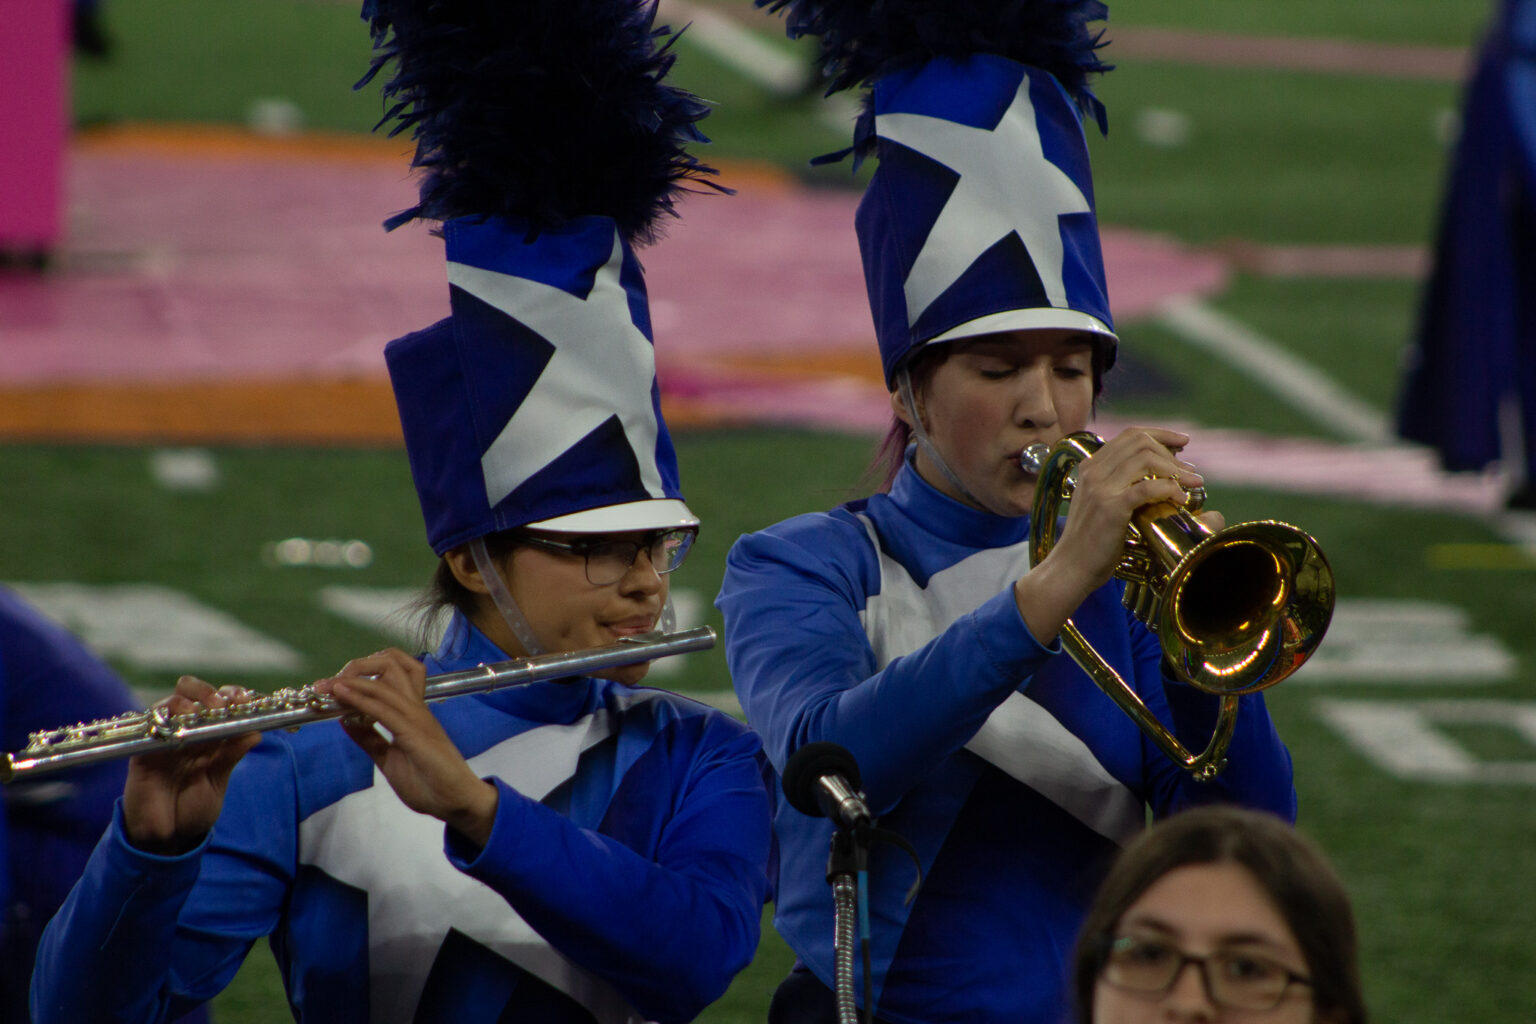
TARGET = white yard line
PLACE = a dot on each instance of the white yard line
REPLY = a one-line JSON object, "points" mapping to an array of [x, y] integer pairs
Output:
{"points": [[1372, 449], [745, 51], [1269, 365], [780, 71]]}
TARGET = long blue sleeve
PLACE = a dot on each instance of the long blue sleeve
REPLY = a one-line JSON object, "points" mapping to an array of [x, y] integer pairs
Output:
{"points": [[163, 935], [104, 957], [806, 673]]}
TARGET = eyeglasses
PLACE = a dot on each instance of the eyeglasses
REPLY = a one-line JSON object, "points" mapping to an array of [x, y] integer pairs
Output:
{"points": [[1233, 980], [608, 559]]}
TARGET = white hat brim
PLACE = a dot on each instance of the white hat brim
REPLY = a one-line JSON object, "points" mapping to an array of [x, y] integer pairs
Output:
{"points": [[1026, 320], [654, 514]]}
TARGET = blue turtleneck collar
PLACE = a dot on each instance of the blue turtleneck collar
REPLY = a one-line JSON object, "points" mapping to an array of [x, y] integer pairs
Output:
{"points": [[928, 532], [951, 520]]}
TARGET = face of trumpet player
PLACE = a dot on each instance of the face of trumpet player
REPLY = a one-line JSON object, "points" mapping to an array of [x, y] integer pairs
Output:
{"points": [[990, 397], [983, 400], [550, 577], [1204, 944]]}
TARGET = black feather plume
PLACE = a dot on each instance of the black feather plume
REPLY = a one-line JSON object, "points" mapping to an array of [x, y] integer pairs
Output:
{"points": [[863, 40], [538, 110]]}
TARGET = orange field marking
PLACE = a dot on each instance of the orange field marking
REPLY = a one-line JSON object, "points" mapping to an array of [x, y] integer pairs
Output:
{"points": [[358, 412]]}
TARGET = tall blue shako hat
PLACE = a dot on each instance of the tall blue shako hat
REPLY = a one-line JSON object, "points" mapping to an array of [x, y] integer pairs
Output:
{"points": [[548, 148], [980, 217]]}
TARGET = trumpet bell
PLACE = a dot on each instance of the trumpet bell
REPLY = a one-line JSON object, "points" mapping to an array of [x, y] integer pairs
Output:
{"points": [[1234, 611], [1245, 607]]}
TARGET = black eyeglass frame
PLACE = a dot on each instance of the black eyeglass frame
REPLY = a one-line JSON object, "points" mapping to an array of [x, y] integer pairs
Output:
{"points": [[1109, 942], [586, 546]]}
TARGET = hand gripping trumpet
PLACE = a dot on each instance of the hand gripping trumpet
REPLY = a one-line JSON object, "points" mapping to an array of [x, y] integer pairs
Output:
{"points": [[143, 732], [1235, 611]]}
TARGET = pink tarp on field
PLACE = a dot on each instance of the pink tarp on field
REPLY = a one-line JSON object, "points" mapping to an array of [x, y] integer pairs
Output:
{"points": [[183, 265], [211, 257]]}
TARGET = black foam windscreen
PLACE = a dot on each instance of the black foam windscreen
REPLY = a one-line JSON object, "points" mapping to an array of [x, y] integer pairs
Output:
{"points": [[808, 765]]}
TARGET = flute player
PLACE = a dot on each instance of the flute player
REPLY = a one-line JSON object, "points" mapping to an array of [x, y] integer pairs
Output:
{"points": [[573, 850]]}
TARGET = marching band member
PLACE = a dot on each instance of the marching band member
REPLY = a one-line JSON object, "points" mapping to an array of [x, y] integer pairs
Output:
{"points": [[1251, 903], [1469, 391], [48, 827], [574, 850], [909, 627]]}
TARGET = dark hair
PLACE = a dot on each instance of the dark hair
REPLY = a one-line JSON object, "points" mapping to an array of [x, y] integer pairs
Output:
{"points": [[1289, 868], [444, 591], [920, 366]]}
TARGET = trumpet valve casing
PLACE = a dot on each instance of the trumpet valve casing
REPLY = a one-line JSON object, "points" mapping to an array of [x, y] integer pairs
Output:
{"points": [[1144, 601]]}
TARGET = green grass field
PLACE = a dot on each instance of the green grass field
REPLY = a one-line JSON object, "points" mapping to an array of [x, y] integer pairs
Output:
{"points": [[1441, 870]]}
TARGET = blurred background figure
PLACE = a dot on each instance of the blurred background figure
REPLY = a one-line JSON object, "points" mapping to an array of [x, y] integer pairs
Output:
{"points": [[48, 678], [90, 36], [1252, 904], [1471, 386]]}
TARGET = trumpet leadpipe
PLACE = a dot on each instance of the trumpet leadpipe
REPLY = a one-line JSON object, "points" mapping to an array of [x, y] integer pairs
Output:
{"points": [[143, 732]]}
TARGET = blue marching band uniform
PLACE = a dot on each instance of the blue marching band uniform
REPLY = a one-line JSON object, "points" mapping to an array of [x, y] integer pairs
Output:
{"points": [[629, 858]]}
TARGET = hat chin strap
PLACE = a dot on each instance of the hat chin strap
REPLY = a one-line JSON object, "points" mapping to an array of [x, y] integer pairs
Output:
{"points": [[511, 614], [904, 385]]}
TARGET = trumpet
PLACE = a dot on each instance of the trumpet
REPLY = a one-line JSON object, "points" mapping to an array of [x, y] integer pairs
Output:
{"points": [[1235, 611], [142, 732]]}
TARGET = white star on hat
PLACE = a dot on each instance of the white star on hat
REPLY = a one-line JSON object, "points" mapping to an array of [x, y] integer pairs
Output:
{"points": [[1006, 185], [603, 366]]}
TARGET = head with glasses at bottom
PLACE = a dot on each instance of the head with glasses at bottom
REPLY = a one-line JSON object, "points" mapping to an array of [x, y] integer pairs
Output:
{"points": [[1219, 915]]}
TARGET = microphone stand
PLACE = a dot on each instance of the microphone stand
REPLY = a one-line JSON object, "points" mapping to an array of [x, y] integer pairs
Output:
{"points": [[848, 874], [822, 779]]}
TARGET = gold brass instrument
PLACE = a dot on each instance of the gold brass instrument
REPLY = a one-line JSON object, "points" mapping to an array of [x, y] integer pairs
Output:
{"points": [[142, 732], [1235, 611]]}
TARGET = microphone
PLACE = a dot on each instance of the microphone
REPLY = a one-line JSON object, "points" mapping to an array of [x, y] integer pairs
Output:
{"points": [[822, 780]]}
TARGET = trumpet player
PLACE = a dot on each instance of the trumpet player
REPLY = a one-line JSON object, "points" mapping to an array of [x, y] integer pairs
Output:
{"points": [[570, 850], [910, 627]]}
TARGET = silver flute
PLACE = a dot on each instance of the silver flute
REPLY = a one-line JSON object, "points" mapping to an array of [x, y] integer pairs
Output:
{"points": [[143, 732]]}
